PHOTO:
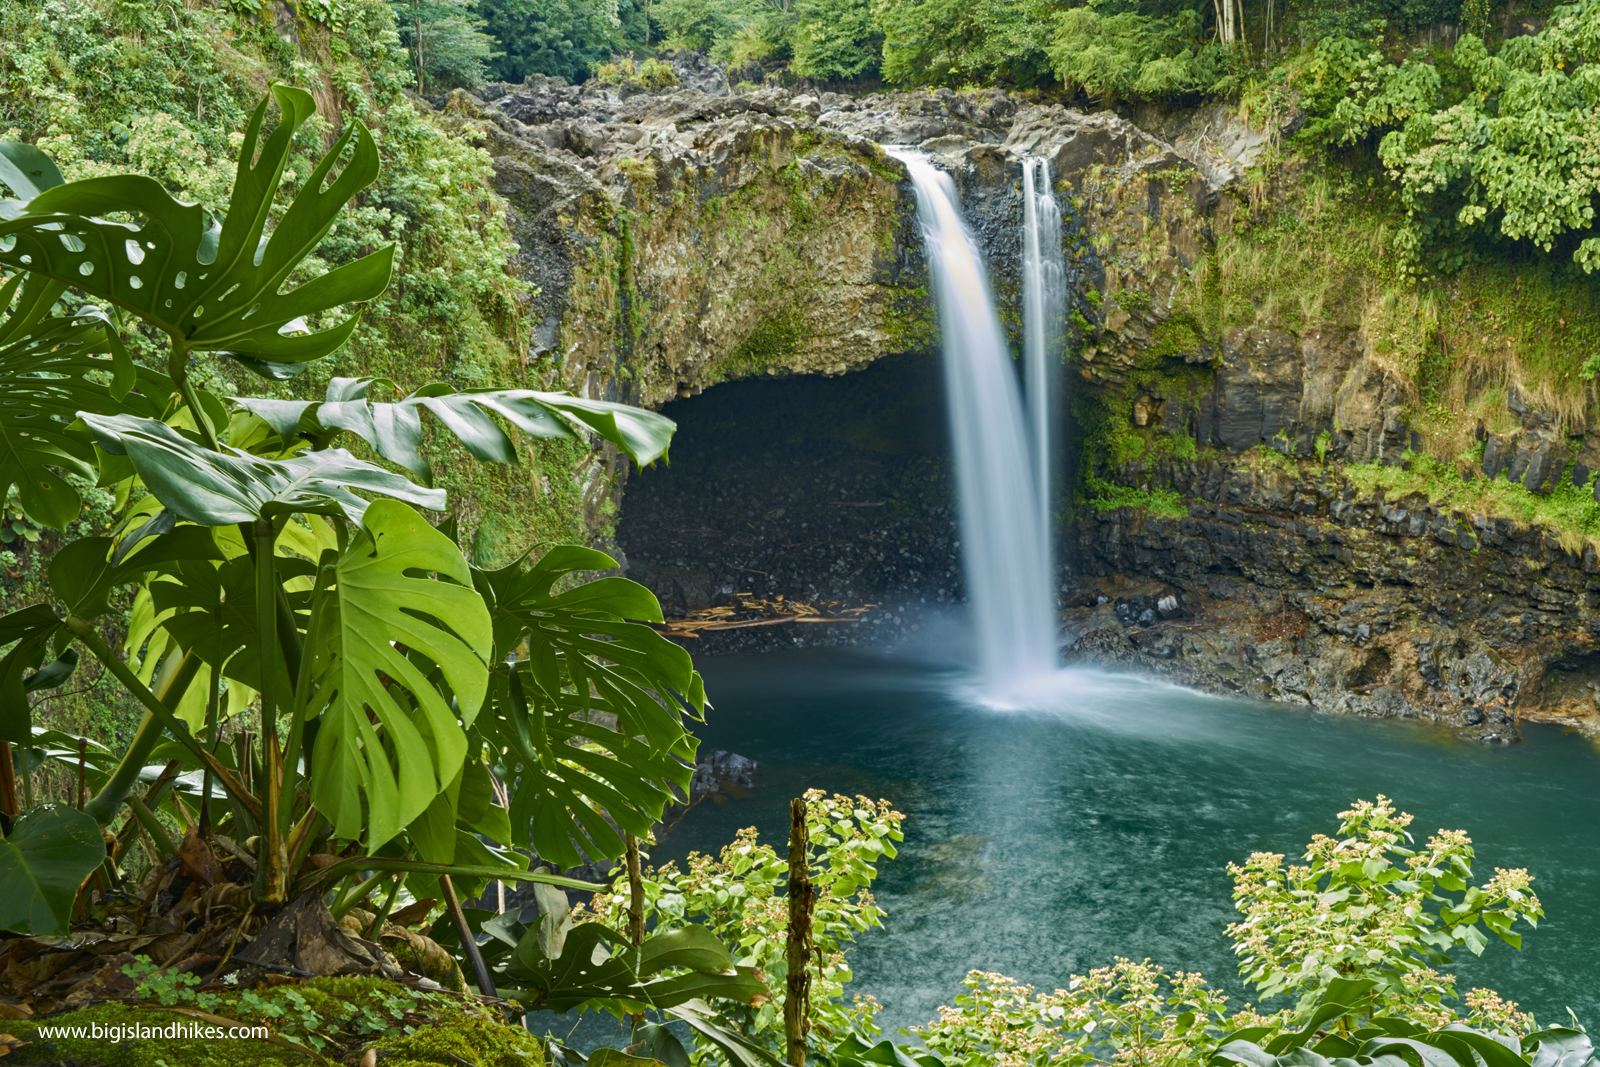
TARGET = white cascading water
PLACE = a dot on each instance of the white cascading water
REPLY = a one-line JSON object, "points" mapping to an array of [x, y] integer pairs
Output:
{"points": [[1044, 301], [1004, 542]]}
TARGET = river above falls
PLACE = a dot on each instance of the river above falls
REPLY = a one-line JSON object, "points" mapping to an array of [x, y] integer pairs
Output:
{"points": [[1041, 844]]}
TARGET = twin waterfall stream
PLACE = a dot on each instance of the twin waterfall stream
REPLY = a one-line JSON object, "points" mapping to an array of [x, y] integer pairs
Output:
{"points": [[1002, 438]]}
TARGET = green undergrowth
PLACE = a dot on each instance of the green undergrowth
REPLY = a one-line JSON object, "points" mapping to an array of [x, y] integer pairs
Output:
{"points": [[1109, 496], [1570, 511], [331, 1017], [1311, 250], [164, 89]]}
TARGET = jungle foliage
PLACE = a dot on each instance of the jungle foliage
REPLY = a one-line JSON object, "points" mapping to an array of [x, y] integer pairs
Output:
{"points": [[1353, 939], [391, 681]]}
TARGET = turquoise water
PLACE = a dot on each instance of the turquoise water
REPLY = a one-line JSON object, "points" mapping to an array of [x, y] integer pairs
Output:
{"points": [[1040, 844]]}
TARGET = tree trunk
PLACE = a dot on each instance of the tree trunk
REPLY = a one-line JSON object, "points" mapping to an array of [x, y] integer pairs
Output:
{"points": [[635, 894], [796, 1017]]}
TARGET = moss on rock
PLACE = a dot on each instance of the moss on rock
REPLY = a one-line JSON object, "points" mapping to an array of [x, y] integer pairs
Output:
{"points": [[336, 1017]]}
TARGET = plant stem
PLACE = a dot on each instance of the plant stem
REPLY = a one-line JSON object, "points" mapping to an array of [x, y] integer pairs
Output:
{"points": [[300, 838], [333, 874], [152, 795], [8, 788], [294, 749], [635, 894], [378, 920], [272, 878], [27, 784], [796, 1018], [213, 717], [178, 367], [103, 805], [85, 632], [152, 825], [355, 895], [469, 944]]}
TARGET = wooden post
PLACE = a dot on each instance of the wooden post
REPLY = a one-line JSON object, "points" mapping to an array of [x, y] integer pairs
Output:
{"points": [[796, 1002], [635, 894]]}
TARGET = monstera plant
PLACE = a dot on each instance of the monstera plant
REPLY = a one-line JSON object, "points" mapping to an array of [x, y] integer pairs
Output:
{"points": [[383, 688]]}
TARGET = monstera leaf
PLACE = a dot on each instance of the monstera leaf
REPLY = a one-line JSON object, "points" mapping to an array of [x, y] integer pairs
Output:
{"points": [[48, 370], [387, 628], [220, 489], [574, 776], [394, 430], [212, 288], [50, 852]]}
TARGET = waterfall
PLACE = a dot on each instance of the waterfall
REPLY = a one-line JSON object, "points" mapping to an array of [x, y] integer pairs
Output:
{"points": [[1004, 541], [1044, 300]]}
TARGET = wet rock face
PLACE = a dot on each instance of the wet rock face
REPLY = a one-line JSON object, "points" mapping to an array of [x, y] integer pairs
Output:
{"points": [[1298, 587], [709, 232]]}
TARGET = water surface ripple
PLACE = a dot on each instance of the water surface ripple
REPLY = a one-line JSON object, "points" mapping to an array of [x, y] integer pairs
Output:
{"points": [[1042, 843]]}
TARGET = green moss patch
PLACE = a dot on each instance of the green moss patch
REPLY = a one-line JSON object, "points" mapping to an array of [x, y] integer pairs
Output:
{"points": [[334, 1018]]}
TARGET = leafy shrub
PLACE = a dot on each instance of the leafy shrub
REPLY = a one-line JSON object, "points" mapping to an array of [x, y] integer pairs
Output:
{"points": [[448, 46], [1133, 55], [958, 42], [651, 73], [563, 38], [1367, 905], [1135, 1011], [741, 898], [836, 40]]}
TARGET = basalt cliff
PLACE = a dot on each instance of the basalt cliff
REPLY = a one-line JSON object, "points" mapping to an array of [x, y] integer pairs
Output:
{"points": [[1265, 492]]}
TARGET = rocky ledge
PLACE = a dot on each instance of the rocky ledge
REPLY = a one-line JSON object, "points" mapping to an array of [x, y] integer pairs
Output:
{"points": [[699, 233], [1293, 583]]}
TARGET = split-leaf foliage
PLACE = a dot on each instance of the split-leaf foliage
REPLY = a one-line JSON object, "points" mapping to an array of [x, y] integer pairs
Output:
{"points": [[278, 579]]}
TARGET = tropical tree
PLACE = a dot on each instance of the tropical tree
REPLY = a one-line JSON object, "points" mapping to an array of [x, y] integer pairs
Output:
{"points": [[283, 582]]}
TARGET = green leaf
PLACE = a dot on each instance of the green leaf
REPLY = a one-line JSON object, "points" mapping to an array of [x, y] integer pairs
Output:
{"points": [[48, 367], [26, 170], [210, 288], [1494, 1050], [50, 852], [32, 628], [379, 601], [739, 1050], [214, 615], [216, 489], [853, 1050], [83, 573], [690, 946], [334, 873], [1559, 1047], [661, 1043], [610, 1057], [476, 810], [584, 974], [563, 762], [1429, 1052], [394, 430]]}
